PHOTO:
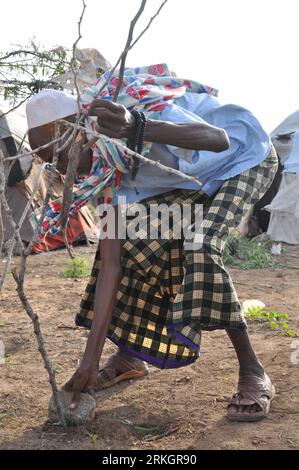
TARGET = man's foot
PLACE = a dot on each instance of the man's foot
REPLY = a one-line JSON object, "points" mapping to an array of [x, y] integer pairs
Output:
{"points": [[253, 398], [120, 366]]}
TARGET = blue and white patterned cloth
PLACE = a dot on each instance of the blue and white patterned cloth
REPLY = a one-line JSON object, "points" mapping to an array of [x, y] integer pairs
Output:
{"points": [[249, 146]]}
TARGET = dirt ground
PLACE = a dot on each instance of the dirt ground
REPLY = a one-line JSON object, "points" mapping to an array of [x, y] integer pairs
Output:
{"points": [[171, 409]]}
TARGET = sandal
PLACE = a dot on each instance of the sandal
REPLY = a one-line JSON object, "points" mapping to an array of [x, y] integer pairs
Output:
{"points": [[252, 390], [113, 371]]}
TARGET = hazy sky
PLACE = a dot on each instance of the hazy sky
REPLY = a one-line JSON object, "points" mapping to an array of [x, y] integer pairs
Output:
{"points": [[245, 48]]}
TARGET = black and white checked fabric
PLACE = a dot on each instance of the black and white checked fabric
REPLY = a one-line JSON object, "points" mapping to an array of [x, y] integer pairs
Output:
{"points": [[168, 294]]}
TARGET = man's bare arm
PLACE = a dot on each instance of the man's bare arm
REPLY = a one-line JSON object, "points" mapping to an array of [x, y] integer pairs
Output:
{"points": [[85, 377], [115, 121]]}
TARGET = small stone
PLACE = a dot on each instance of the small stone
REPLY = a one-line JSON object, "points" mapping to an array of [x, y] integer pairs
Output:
{"points": [[83, 414]]}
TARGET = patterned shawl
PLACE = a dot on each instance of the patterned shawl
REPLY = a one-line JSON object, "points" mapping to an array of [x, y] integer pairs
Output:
{"points": [[149, 89]]}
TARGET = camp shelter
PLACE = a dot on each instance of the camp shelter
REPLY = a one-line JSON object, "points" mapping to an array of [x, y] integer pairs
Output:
{"points": [[284, 207], [22, 175]]}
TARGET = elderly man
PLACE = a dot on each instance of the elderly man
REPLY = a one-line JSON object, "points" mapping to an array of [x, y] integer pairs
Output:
{"points": [[154, 297]]}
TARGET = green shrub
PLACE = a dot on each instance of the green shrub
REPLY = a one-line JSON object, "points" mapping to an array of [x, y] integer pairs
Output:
{"points": [[77, 267], [246, 254], [275, 320]]}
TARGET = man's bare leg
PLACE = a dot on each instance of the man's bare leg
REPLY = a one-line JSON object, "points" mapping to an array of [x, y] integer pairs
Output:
{"points": [[249, 366]]}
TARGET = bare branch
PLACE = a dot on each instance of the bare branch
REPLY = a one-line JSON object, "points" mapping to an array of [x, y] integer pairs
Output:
{"points": [[76, 147], [96, 136], [16, 236], [147, 26], [128, 43], [74, 158], [40, 55], [17, 106], [19, 279], [41, 147], [125, 51]]}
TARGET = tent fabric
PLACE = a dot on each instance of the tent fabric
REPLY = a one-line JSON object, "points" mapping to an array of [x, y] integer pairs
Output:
{"points": [[282, 202], [21, 182], [284, 209], [13, 124], [81, 226]]}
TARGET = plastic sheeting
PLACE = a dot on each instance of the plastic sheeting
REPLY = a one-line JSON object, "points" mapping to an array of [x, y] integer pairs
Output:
{"points": [[284, 209]]}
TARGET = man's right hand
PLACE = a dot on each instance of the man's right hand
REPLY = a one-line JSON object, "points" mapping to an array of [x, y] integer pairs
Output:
{"points": [[83, 381]]}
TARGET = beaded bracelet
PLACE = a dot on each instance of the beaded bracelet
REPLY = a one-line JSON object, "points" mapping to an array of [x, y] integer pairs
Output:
{"points": [[136, 144]]}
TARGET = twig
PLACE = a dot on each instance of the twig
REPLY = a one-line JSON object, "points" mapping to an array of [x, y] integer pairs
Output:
{"points": [[131, 46], [74, 158], [17, 105], [75, 149], [37, 149], [17, 226], [131, 153], [48, 193], [29, 52], [16, 234], [157, 437], [148, 25], [19, 279], [128, 43]]}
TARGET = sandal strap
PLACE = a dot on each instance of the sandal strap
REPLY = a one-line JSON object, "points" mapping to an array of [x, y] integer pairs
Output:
{"points": [[253, 390]]}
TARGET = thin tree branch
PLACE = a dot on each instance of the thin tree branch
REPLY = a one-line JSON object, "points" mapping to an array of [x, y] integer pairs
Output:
{"points": [[75, 154], [16, 234], [40, 55], [76, 147], [19, 279], [96, 136], [41, 147], [128, 43], [125, 51], [17, 106]]}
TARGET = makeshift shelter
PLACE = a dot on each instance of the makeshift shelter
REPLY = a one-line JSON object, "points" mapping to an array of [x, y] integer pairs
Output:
{"points": [[277, 212], [22, 183], [284, 208]]}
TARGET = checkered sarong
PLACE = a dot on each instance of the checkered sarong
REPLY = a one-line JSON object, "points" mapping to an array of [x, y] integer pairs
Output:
{"points": [[167, 293]]}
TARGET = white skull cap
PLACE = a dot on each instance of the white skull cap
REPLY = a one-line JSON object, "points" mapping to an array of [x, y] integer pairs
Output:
{"points": [[48, 106]]}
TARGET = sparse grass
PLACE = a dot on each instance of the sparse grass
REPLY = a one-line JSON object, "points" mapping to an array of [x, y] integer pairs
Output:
{"points": [[275, 320], [146, 429], [93, 437], [246, 254], [2, 417], [11, 362], [58, 368], [2, 323], [77, 267]]}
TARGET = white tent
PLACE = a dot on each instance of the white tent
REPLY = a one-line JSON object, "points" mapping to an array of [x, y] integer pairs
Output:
{"points": [[14, 123], [284, 208]]}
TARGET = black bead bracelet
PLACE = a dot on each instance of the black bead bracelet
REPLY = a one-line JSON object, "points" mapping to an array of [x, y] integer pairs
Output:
{"points": [[137, 142]]}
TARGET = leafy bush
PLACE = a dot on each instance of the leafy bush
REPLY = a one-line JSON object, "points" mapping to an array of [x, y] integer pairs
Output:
{"points": [[275, 320], [247, 254], [77, 267]]}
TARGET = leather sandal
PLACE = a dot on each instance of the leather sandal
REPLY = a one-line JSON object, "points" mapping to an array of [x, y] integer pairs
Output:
{"points": [[117, 369], [252, 390]]}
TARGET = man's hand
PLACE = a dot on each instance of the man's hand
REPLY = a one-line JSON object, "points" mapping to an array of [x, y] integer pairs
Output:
{"points": [[83, 380], [114, 120]]}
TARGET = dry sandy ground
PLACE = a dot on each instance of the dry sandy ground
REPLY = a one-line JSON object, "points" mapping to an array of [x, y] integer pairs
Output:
{"points": [[176, 409]]}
